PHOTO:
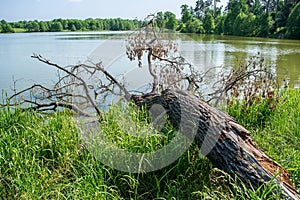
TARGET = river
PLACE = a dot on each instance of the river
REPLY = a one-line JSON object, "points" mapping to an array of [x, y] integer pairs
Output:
{"points": [[204, 51]]}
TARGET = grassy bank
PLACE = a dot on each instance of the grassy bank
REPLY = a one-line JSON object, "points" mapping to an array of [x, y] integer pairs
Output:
{"points": [[42, 157]]}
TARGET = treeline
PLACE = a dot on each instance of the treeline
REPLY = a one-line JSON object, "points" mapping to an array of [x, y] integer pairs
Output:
{"points": [[58, 25], [254, 18]]}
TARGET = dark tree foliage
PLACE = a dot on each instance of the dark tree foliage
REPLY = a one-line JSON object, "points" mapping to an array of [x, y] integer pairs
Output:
{"points": [[58, 25], [5, 27], [209, 23], [293, 23]]}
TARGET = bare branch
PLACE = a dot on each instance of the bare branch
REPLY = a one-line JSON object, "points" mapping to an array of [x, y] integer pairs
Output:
{"points": [[91, 100]]}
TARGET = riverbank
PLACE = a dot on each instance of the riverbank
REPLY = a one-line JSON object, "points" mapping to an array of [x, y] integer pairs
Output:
{"points": [[43, 156], [279, 37]]}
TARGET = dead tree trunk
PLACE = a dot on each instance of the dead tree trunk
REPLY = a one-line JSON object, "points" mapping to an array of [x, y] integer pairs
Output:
{"points": [[226, 143]]}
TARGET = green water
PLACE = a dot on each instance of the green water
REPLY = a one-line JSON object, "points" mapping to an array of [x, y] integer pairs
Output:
{"points": [[282, 55], [204, 51]]}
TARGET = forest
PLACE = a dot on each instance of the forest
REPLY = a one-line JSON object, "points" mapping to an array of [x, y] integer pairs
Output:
{"points": [[252, 18]]}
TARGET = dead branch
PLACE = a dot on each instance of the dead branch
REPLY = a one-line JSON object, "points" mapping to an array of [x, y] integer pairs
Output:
{"points": [[248, 81], [85, 86], [78, 88], [164, 62]]}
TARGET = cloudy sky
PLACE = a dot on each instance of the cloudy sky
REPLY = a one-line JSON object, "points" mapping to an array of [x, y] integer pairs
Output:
{"points": [[15, 10]]}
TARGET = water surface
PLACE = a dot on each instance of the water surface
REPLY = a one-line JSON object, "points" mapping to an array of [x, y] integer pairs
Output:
{"points": [[204, 51]]}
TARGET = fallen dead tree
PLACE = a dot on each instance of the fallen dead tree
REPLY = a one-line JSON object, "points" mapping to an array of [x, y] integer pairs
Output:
{"points": [[226, 143]]}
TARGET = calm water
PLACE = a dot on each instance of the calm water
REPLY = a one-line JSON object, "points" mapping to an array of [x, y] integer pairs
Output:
{"points": [[72, 48]]}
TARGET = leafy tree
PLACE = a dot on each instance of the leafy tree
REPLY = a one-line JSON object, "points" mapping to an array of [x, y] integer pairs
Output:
{"points": [[33, 26], [90, 24], [121, 24], [114, 25], [43, 26], [263, 23], [202, 7], [195, 26], [293, 23], [78, 24], [281, 15], [238, 24], [56, 26], [64, 23], [189, 24], [6, 27], [244, 24], [100, 25], [128, 25], [228, 23], [249, 3], [219, 24], [269, 5], [257, 8], [186, 15], [19, 24], [181, 27], [208, 23], [160, 20], [233, 11], [73, 27], [105, 25], [249, 25], [171, 21]]}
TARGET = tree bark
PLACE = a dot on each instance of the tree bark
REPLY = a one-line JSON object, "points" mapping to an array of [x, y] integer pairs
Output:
{"points": [[226, 143]]}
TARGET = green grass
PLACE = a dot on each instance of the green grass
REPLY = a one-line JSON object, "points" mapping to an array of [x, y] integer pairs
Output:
{"points": [[275, 130], [281, 137], [41, 157]]}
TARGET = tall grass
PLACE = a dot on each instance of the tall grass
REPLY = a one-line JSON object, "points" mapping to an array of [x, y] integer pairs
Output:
{"points": [[281, 138], [275, 129], [41, 157]]}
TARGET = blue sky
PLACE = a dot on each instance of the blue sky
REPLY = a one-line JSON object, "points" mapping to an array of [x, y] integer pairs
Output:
{"points": [[15, 10]]}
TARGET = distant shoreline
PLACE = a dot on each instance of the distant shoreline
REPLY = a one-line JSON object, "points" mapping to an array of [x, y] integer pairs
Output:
{"points": [[238, 19]]}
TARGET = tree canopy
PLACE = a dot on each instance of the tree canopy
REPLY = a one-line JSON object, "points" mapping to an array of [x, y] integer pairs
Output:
{"points": [[58, 25], [254, 18], [293, 22]]}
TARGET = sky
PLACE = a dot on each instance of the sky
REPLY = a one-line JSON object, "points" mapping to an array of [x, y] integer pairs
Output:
{"points": [[16, 10]]}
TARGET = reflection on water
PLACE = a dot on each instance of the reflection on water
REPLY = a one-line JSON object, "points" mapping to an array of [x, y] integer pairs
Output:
{"points": [[92, 36], [228, 51], [204, 51]]}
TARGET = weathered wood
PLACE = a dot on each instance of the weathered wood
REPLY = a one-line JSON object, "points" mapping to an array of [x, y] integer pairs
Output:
{"points": [[225, 142]]}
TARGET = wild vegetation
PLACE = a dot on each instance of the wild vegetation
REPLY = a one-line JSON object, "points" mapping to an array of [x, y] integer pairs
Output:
{"points": [[43, 157], [259, 18]]}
